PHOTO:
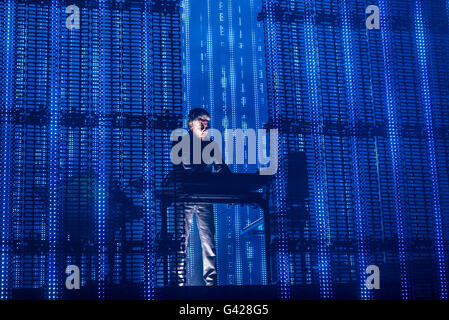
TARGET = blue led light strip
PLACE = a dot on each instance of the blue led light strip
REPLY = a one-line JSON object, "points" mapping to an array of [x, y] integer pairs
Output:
{"points": [[148, 170], [254, 65], [53, 153], [257, 118], [422, 49], [232, 77], [273, 71], [210, 59], [6, 136], [100, 148], [394, 142], [298, 108], [353, 112], [188, 103], [319, 174], [187, 75]]}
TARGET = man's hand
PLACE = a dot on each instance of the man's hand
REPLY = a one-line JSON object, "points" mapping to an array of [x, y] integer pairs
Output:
{"points": [[199, 127]]}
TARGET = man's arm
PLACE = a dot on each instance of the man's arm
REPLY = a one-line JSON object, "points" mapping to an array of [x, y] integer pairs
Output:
{"points": [[220, 166]]}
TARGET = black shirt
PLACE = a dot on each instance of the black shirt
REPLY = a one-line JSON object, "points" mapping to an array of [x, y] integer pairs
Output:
{"points": [[197, 168]]}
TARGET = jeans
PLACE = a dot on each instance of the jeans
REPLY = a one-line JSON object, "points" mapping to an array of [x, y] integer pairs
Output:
{"points": [[206, 228]]}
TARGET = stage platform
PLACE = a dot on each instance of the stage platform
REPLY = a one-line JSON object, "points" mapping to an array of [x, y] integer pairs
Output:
{"points": [[260, 292]]}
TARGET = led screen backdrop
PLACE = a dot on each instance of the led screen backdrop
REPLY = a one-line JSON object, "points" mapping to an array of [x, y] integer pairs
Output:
{"points": [[85, 121], [362, 117], [368, 108], [224, 72]]}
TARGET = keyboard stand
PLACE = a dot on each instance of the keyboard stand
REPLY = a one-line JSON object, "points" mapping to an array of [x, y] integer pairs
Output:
{"points": [[253, 198]]}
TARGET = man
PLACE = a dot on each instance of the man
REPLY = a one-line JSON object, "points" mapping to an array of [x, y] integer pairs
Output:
{"points": [[198, 122]]}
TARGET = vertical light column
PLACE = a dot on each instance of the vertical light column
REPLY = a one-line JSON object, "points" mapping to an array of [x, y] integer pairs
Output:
{"points": [[211, 74], [6, 138], [53, 154], [320, 206], [447, 8], [233, 80], [254, 65], [253, 13], [394, 143], [274, 64], [211, 65], [148, 170], [100, 152], [353, 113], [187, 72], [422, 49]]}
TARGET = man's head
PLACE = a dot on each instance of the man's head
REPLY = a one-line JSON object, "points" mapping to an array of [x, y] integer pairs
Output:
{"points": [[198, 121]]}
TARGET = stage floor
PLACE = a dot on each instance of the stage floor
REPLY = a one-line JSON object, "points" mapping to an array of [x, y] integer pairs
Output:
{"points": [[260, 292]]}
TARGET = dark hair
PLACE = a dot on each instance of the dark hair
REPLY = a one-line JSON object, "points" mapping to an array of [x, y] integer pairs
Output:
{"points": [[195, 113]]}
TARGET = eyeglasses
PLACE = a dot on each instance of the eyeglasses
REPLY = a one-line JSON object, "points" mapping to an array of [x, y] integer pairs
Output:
{"points": [[203, 119]]}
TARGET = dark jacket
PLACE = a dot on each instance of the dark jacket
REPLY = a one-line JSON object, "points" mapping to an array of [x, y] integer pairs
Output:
{"points": [[192, 168]]}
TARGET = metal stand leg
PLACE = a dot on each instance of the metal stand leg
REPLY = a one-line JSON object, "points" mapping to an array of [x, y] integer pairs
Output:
{"points": [[266, 225]]}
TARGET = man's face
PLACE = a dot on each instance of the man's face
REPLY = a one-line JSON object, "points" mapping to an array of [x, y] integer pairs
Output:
{"points": [[199, 126]]}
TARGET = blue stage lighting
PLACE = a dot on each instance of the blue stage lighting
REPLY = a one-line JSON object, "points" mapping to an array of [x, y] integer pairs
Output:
{"points": [[395, 144], [353, 113], [53, 162], [422, 49], [6, 136]]}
